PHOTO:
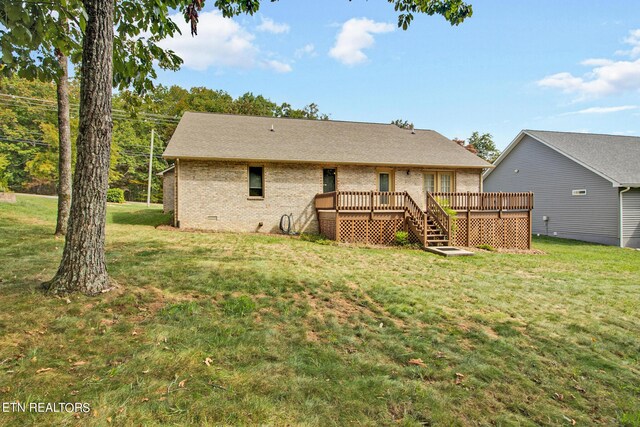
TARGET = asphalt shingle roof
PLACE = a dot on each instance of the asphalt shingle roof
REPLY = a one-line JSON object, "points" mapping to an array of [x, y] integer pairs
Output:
{"points": [[229, 137], [612, 156]]}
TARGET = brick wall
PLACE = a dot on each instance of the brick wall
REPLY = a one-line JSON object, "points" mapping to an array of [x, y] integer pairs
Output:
{"points": [[214, 195], [168, 190], [468, 180]]}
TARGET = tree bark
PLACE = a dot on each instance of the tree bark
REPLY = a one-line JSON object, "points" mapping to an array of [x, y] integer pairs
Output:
{"points": [[64, 149], [83, 266]]}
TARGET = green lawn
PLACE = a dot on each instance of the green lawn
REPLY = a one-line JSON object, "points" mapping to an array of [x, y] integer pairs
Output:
{"points": [[299, 333]]}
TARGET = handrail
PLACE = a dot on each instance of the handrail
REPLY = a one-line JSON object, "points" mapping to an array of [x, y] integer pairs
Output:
{"points": [[487, 201], [415, 212], [438, 214]]}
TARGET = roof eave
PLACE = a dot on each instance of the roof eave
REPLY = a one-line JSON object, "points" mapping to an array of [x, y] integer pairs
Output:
{"points": [[328, 162]]}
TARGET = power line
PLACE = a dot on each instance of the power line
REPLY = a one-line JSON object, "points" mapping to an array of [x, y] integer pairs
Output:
{"points": [[44, 144], [153, 116], [116, 117]]}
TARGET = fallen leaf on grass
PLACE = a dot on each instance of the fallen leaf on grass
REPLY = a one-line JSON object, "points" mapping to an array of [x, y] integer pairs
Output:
{"points": [[417, 362], [208, 361], [580, 389], [134, 333], [459, 377], [182, 383], [80, 363], [41, 370], [558, 396], [571, 420], [145, 399], [146, 371]]}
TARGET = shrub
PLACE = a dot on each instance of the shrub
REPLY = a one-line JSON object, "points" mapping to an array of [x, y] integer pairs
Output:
{"points": [[453, 214], [402, 238], [115, 195], [486, 248]]}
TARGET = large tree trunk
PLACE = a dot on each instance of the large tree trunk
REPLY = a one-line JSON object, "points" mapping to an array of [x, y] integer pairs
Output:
{"points": [[83, 267], [64, 149]]}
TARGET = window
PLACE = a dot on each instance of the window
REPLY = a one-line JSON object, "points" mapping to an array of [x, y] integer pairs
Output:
{"points": [[384, 182], [256, 181], [430, 182], [328, 180], [439, 182], [445, 182]]}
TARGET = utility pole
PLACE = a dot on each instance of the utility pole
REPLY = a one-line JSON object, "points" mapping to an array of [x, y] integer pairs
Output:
{"points": [[150, 170]]}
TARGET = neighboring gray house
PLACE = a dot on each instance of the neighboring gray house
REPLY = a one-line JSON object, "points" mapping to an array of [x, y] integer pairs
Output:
{"points": [[586, 186]]}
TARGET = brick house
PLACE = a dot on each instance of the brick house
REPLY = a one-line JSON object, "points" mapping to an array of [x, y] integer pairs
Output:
{"points": [[242, 173], [245, 173]]}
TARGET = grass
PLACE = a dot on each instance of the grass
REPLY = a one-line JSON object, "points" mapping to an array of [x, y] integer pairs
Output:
{"points": [[211, 328]]}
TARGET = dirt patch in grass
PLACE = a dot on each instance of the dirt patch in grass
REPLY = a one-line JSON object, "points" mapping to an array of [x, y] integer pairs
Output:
{"points": [[346, 310]]}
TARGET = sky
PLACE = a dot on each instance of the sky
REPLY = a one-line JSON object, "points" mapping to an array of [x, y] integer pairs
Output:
{"points": [[568, 66]]}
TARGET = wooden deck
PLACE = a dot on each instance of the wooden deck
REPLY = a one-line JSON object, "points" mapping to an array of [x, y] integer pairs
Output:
{"points": [[502, 220]]}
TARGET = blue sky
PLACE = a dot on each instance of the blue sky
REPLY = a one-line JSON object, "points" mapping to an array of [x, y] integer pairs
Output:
{"points": [[570, 65]]}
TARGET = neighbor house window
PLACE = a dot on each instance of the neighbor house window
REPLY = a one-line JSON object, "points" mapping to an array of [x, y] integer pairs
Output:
{"points": [[328, 180], [256, 181]]}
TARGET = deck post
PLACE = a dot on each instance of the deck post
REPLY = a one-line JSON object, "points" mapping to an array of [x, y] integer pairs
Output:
{"points": [[468, 218], [425, 242], [371, 206], [530, 217]]}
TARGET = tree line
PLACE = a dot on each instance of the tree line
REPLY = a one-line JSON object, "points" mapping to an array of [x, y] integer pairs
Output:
{"points": [[29, 139]]}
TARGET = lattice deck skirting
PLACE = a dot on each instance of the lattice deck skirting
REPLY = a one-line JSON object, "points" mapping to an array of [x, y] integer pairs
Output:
{"points": [[498, 229]]}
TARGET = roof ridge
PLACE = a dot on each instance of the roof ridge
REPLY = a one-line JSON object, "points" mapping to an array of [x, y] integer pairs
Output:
{"points": [[300, 118], [581, 133]]}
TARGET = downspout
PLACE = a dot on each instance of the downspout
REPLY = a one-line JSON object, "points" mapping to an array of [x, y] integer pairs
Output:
{"points": [[621, 218]]}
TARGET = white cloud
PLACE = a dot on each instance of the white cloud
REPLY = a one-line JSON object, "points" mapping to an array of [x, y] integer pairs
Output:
{"points": [[221, 42], [356, 35], [634, 41], [606, 77], [277, 66], [269, 26], [308, 49], [603, 110]]}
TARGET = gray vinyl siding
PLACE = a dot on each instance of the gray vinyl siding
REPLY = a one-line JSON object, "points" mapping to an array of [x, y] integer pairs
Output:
{"points": [[631, 218], [552, 177]]}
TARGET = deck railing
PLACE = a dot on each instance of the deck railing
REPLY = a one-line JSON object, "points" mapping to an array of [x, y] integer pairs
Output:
{"points": [[487, 201], [361, 200], [326, 200]]}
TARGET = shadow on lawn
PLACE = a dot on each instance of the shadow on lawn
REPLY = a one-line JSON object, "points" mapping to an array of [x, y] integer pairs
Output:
{"points": [[151, 217]]}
